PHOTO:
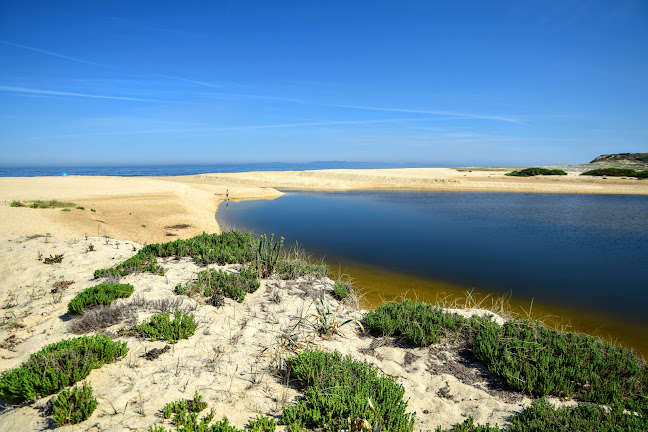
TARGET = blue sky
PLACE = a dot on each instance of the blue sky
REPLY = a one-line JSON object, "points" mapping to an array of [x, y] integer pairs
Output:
{"points": [[438, 82]]}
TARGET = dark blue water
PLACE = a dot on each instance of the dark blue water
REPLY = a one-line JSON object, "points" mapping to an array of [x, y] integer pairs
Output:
{"points": [[583, 252], [178, 170]]}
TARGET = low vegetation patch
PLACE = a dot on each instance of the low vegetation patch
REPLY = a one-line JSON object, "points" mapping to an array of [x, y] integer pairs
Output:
{"points": [[99, 295], [420, 323], [42, 204], [56, 259], [217, 284], [535, 171], [73, 406], [340, 290], [540, 361], [227, 248], [185, 417], [180, 408], [617, 172], [542, 416], [59, 365], [339, 389], [140, 262], [162, 327]]}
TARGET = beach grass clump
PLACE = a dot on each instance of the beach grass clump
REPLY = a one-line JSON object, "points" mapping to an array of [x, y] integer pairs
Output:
{"points": [[217, 284], [226, 248], [339, 389], [616, 172], [541, 361], [295, 263], [162, 327], [99, 295], [420, 323], [268, 255], [535, 171], [16, 204], [59, 365], [74, 405]]}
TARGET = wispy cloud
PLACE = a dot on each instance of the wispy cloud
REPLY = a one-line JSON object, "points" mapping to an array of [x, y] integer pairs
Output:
{"points": [[30, 91], [242, 127], [507, 119], [444, 113], [52, 53]]}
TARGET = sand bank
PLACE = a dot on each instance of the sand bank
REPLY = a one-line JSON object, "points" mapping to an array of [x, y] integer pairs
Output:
{"points": [[157, 209]]}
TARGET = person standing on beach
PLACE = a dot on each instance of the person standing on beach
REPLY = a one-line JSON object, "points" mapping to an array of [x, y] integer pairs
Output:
{"points": [[227, 194]]}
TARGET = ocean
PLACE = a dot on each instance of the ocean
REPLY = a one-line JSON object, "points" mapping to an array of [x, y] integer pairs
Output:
{"points": [[181, 170]]}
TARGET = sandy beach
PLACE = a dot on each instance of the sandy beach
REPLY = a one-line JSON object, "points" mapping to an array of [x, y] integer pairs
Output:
{"points": [[156, 209], [231, 357]]}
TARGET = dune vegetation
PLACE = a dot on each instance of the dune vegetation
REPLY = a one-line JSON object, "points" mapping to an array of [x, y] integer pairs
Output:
{"points": [[608, 385]]}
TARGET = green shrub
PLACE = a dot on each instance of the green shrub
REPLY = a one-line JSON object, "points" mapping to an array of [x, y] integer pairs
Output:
{"points": [[73, 406], [642, 174], [541, 361], [340, 290], [161, 327], [226, 248], [182, 407], [59, 365], [80, 208], [535, 171], [217, 284], [611, 172], [102, 294], [338, 388], [16, 204], [420, 323]]}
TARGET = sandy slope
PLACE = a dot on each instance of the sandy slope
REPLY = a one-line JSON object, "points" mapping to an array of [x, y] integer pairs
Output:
{"points": [[232, 357]]}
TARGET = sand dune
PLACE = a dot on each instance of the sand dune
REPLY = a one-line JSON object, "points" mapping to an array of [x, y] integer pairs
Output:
{"points": [[230, 358]]}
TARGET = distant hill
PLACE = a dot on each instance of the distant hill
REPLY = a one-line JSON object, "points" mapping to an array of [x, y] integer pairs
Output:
{"points": [[623, 157]]}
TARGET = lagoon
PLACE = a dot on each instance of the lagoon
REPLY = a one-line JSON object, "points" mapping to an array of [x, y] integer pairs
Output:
{"points": [[582, 255]]}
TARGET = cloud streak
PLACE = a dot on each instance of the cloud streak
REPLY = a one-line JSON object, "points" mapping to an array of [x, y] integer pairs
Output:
{"points": [[507, 119], [53, 54], [24, 90], [242, 127]]}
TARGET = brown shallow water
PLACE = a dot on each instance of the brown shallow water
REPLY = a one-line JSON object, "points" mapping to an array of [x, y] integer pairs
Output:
{"points": [[377, 286]]}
